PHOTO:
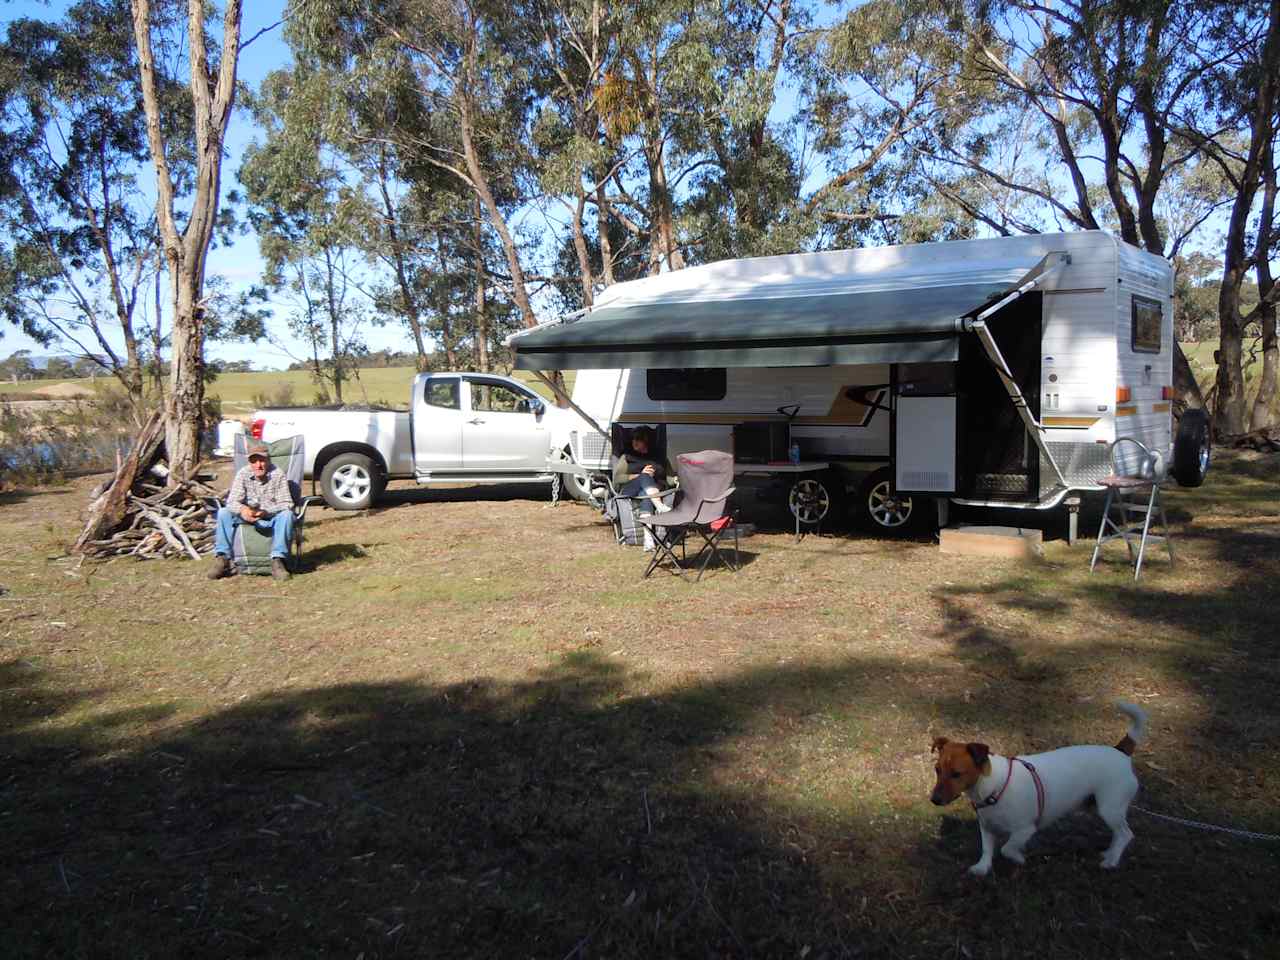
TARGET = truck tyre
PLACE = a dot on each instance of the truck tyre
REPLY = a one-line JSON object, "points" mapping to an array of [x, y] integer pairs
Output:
{"points": [[350, 481], [880, 512], [1191, 451], [578, 487]]}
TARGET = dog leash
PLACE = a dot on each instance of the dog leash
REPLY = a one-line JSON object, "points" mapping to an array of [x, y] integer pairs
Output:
{"points": [[992, 800], [1247, 834]]}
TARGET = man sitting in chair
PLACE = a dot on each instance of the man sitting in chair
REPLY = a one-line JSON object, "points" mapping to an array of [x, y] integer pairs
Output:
{"points": [[259, 495]]}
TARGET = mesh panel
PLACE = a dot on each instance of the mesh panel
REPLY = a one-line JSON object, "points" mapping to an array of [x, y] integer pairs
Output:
{"points": [[1008, 483], [592, 448]]}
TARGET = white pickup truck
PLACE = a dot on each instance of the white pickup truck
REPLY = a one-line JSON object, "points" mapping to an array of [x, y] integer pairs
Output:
{"points": [[474, 428]]}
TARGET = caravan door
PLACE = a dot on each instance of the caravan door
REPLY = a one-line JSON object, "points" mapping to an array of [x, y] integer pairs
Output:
{"points": [[924, 428], [999, 461]]}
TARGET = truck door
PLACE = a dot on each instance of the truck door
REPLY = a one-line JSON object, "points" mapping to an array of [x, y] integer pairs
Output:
{"points": [[504, 428], [437, 425]]}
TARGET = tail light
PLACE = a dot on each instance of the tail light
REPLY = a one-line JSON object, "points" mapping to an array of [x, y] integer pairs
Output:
{"points": [[1166, 393], [255, 429], [1123, 394]]}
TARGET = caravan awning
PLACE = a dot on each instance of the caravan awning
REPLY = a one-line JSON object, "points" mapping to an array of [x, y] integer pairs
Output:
{"points": [[898, 319]]}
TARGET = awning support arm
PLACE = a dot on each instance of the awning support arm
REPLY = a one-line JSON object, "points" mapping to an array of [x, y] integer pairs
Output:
{"points": [[979, 327], [568, 402]]}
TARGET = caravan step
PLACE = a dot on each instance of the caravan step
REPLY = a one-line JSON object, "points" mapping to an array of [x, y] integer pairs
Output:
{"points": [[1017, 543]]}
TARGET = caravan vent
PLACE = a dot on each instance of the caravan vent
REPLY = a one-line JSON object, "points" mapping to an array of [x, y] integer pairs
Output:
{"points": [[927, 480]]}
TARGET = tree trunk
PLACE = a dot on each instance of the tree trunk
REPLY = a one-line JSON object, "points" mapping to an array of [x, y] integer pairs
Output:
{"points": [[1261, 414], [213, 96], [482, 300], [409, 301], [602, 228]]}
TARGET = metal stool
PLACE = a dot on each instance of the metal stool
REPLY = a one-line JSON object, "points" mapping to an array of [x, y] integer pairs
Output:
{"points": [[1132, 521]]}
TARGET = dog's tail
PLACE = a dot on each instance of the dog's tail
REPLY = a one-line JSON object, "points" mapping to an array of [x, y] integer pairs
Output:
{"points": [[1137, 727]]}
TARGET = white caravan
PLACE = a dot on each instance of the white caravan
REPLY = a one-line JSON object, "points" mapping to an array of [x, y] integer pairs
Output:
{"points": [[991, 372]]}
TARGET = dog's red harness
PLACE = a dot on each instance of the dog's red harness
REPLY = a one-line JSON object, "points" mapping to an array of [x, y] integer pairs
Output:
{"points": [[994, 798]]}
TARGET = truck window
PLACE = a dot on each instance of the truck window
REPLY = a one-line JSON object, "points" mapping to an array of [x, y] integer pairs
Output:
{"points": [[442, 393], [1145, 336], [690, 383], [495, 398]]}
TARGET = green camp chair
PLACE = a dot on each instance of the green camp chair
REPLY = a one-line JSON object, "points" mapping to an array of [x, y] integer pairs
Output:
{"points": [[251, 549]]}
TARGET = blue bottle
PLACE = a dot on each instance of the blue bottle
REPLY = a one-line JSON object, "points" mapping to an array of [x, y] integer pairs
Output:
{"points": [[795, 452]]}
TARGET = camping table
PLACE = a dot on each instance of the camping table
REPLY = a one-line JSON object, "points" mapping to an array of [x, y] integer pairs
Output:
{"points": [[775, 469]]}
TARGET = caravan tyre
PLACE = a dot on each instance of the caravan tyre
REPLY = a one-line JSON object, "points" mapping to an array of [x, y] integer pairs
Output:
{"points": [[1191, 451], [817, 498], [879, 511], [350, 481]]}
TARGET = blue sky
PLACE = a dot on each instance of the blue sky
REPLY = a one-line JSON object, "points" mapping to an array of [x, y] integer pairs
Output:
{"points": [[240, 263]]}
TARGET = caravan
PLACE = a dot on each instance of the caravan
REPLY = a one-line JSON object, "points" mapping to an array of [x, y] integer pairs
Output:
{"points": [[993, 372]]}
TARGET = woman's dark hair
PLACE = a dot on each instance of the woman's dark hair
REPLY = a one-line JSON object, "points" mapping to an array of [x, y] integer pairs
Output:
{"points": [[644, 433]]}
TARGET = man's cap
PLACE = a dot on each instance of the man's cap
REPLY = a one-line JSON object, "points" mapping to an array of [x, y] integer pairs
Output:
{"points": [[259, 450]]}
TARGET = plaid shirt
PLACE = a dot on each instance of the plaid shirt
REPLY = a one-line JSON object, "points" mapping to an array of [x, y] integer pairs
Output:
{"points": [[270, 495]]}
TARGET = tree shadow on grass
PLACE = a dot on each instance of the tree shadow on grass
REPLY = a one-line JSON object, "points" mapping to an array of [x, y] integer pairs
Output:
{"points": [[562, 816]]}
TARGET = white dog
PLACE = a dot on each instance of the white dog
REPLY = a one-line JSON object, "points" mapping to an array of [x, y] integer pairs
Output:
{"points": [[1016, 796]]}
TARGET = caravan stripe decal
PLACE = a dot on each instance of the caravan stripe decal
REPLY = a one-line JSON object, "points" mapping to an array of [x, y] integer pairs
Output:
{"points": [[1126, 411], [1160, 408], [1070, 421]]}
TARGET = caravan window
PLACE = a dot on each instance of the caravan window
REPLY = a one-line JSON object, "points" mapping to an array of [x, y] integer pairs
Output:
{"points": [[1147, 325], [689, 383]]}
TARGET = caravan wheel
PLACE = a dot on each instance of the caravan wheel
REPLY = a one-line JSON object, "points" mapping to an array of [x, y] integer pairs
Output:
{"points": [[879, 510], [1191, 448], [818, 498]]}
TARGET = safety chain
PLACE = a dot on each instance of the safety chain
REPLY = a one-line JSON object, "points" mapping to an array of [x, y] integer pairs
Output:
{"points": [[1247, 834]]}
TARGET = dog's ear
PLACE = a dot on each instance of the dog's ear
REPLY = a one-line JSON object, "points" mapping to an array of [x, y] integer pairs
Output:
{"points": [[938, 744], [979, 752]]}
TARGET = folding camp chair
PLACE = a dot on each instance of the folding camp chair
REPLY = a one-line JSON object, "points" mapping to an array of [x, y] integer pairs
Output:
{"points": [[702, 508], [251, 548]]}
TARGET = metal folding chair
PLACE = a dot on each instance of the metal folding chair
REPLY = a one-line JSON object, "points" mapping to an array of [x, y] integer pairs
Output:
{"points": [[1125, 515]]}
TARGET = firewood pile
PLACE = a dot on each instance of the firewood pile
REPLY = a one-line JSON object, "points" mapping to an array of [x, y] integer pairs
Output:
{"points": [[1266, 440], [135, 513]]}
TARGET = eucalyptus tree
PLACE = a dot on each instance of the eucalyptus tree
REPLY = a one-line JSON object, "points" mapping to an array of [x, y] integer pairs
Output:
{"points": [[212, 89], [1245, 101], [80, 237], [309, 215], [466, 68]]}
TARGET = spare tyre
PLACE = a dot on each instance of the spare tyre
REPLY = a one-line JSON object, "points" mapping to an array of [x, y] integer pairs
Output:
{"points": [[1191, 451]]}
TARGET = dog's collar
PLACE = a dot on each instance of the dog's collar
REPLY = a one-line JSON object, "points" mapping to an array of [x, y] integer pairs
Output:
{"points": [[994, 798]]}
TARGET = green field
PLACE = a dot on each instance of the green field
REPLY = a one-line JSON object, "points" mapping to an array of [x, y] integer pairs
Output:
{"points": [[381, 385]]}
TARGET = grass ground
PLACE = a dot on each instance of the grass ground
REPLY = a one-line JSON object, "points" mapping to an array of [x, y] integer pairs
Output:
{"points": [[470, 729]]}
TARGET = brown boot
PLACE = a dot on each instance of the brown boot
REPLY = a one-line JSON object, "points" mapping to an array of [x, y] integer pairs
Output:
{"points": [[221, 568], [278, 570]]}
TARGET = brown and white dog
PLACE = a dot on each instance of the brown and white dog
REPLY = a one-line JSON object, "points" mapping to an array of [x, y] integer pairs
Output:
{"points": [[1016, 796]]}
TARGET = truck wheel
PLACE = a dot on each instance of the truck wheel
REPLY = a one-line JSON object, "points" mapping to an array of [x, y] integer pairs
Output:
{"points": [[350, 481], [879, 510], [578, 487], [1191, 451]]}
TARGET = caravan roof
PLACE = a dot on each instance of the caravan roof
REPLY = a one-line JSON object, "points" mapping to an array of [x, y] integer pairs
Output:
{"points": [[873, 305]]}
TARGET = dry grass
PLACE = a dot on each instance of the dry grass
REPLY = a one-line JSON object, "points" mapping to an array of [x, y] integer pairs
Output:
{"points": [[471, 730]]}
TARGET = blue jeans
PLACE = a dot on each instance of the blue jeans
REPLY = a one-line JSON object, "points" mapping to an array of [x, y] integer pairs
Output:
{"points": [[642, 486], [280, 527]]}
